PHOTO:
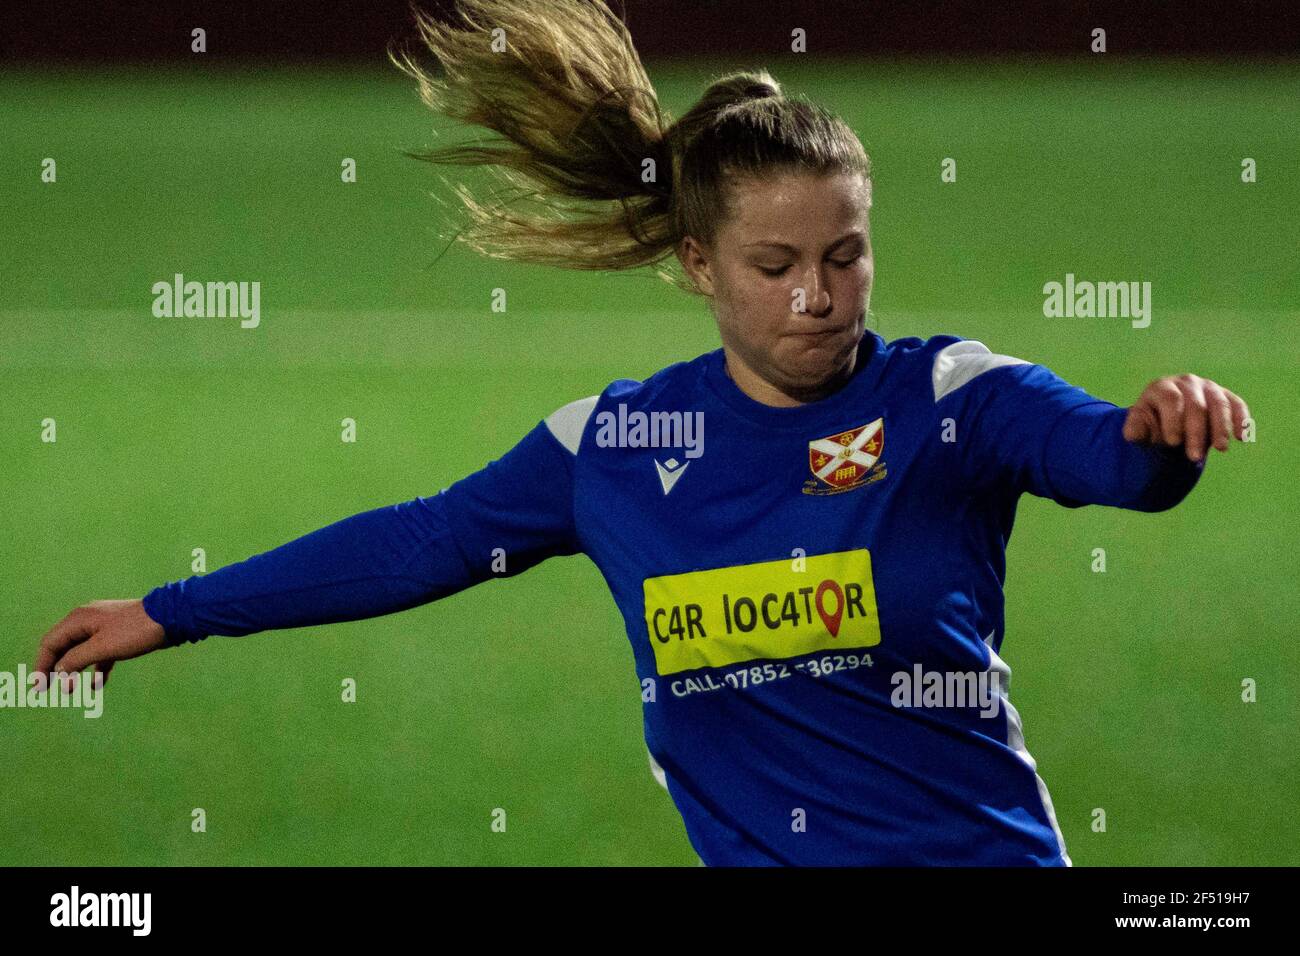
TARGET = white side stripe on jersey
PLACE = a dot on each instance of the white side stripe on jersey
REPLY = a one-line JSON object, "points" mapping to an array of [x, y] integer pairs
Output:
{"points": [[568, 423], [657, 771], [1016, 740], [960, 362]]}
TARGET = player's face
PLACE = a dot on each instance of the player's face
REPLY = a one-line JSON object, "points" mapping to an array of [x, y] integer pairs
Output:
{"points": [[790, 277]]}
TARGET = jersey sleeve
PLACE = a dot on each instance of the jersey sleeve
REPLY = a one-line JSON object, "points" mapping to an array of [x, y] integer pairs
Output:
{"points": [[392, 558], [1021, 427]]}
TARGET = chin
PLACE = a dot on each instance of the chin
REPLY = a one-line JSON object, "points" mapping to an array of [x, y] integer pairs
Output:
{"points": [[809, 364], [804, 377]]}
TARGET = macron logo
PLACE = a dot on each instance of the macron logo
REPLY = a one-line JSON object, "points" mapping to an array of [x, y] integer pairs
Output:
{"points": [[669, 472]]}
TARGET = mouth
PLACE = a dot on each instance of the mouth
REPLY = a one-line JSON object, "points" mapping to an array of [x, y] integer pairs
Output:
{"points": [[823, 332], [817, 333]]}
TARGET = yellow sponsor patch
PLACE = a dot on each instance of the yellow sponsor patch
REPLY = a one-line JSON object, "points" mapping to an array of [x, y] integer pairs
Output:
{"points": [[769, 611]]}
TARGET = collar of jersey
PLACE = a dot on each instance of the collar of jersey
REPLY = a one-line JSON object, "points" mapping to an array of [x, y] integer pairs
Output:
{"points": [[866, 372]]}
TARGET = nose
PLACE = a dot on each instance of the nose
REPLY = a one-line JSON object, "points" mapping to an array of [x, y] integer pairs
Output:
{"points": [[817, 294]]}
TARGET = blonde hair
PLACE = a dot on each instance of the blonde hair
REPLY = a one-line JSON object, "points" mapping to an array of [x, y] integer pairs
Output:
{"points": [[595, 174]]}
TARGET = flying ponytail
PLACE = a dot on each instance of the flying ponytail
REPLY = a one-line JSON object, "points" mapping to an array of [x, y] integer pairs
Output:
{"points": [[591, 173]]}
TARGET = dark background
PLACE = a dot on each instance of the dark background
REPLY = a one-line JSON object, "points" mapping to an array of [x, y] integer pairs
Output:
{"points": [[304, 30]]}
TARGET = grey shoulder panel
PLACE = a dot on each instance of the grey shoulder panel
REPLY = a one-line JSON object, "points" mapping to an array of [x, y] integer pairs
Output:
{"points": [[569, 422], [957, 364]]}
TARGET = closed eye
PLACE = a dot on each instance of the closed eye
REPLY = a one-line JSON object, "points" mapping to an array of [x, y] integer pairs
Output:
{"points": [[843, 264]]}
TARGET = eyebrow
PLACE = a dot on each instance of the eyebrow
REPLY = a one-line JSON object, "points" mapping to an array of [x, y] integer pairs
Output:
{"points": [[857, 233]]}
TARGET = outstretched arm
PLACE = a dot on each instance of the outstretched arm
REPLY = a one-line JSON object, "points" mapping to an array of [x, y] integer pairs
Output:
{"points": [[1020, 427], [377, 562], [1147, 457]]}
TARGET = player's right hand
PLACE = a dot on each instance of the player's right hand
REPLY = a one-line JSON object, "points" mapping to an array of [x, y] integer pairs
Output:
{"points": [[96, 635]]}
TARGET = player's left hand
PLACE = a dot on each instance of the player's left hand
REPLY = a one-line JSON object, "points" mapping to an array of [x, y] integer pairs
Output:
{"points": [[1187, 410]]}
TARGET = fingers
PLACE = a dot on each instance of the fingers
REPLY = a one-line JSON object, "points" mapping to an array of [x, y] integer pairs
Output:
{"points": [[96, 635], [1190, 411], [1158, 414], [1240, 412], [1170, 405], [69, 679], [1196, 426], [73, 629], [69, 648], [1140, 424], [1219, 412], [1222, 413], [79, 657]]}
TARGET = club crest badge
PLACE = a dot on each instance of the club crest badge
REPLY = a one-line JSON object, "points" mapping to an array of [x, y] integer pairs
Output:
{"points": [[847, 460]]}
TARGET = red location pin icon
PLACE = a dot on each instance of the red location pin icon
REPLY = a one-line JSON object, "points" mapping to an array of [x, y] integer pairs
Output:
{"points": [[832, 621]]}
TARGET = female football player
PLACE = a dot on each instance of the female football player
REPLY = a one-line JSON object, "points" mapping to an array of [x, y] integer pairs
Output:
{"points": [[804, 529]]}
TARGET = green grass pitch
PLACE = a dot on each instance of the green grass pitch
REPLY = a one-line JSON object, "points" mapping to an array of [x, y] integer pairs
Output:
{"points": [[520, 694]]}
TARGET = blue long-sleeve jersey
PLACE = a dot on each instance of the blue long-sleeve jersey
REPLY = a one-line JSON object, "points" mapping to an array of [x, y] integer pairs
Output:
{"points": [[813, 594]]}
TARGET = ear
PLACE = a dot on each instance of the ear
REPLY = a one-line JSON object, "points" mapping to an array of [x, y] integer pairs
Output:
{"points": [[695, 260]]}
